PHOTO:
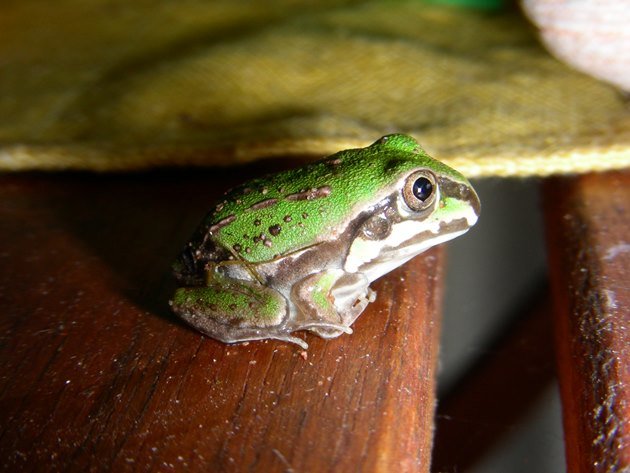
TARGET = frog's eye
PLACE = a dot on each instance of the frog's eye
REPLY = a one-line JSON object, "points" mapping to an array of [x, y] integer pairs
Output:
{"points": [[420, 190]]}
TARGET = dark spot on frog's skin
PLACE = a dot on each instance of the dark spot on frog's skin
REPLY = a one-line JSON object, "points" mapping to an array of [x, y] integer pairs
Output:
{"points": [[237, 247], [247, 190], [248, 250], [263, 204], [268, 243], [311, 194], [222, 223], [275, 230], [213, 307], [281, 190], [287, 218], [252, 305], [259, 238], [239, 201], [304, 215], [257, 222], [264, 190], [232, 306], [300, 224]]}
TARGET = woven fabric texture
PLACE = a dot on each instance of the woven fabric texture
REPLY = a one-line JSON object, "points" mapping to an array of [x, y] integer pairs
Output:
{"points": [[118, 85]]}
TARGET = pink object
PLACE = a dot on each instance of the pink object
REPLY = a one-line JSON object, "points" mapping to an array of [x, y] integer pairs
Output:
{"points": [[591, 35]]}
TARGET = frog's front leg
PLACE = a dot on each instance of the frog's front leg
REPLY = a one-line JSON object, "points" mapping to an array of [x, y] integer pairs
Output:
{"points": [[234, 310], [330, 301]]}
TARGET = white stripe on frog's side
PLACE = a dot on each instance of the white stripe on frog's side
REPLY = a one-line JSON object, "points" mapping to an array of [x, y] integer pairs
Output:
{"points": [[362, 251], [377, 268]]}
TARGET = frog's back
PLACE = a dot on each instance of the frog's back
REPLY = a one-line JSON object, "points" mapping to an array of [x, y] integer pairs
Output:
{"points": [[276, 215]]}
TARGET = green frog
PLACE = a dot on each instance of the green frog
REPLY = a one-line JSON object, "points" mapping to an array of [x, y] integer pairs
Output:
{"points": [[297, 250]]}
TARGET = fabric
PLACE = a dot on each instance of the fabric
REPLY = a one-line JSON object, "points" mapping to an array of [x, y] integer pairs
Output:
{"points": [[118, 85]]}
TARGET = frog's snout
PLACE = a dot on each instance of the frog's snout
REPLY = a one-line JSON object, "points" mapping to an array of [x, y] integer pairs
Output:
{"points": [[472, 197], [462, 191]]}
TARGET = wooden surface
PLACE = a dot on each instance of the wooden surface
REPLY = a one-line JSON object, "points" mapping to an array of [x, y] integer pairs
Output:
{"points": [[588, 222], [96, 374]]}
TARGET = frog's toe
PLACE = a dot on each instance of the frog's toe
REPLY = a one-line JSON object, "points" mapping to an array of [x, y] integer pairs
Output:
{"points": [[296, 340], [246, 335], [326, 329]]}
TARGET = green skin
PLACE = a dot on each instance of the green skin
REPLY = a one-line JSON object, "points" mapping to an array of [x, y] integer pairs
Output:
{"points": [[298, 249]]}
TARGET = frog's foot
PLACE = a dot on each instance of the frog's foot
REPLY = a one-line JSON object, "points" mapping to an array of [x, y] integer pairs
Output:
{"points": [[349, 314], [234, 311], [353, 304], [330, 301]]}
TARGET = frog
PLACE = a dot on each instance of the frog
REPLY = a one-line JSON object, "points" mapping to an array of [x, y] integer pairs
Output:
{"points": [[297, 250]]}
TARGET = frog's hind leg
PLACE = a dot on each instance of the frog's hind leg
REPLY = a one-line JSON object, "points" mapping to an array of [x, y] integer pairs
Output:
{"points": [[235, 311]]}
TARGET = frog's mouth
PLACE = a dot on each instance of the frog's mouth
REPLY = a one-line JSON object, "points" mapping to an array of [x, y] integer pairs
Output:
{"points": [[422, 242]]}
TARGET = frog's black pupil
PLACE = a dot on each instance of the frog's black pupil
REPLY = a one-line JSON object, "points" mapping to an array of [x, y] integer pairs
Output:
{"points": [[422, 188]]}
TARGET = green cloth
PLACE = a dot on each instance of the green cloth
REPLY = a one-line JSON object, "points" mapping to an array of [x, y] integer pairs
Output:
{"points": [[119, 85]]}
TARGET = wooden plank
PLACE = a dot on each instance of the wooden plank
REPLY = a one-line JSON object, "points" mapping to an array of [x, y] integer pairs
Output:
{"points": [[588, 231], [96, 374]]}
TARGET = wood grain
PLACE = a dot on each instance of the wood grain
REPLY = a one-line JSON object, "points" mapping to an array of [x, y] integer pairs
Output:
{"points": [[588, 226], [97, 375]]}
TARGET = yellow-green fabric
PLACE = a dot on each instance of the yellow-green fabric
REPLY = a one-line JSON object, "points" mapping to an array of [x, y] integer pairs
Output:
{"points": [[122, 85]]}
